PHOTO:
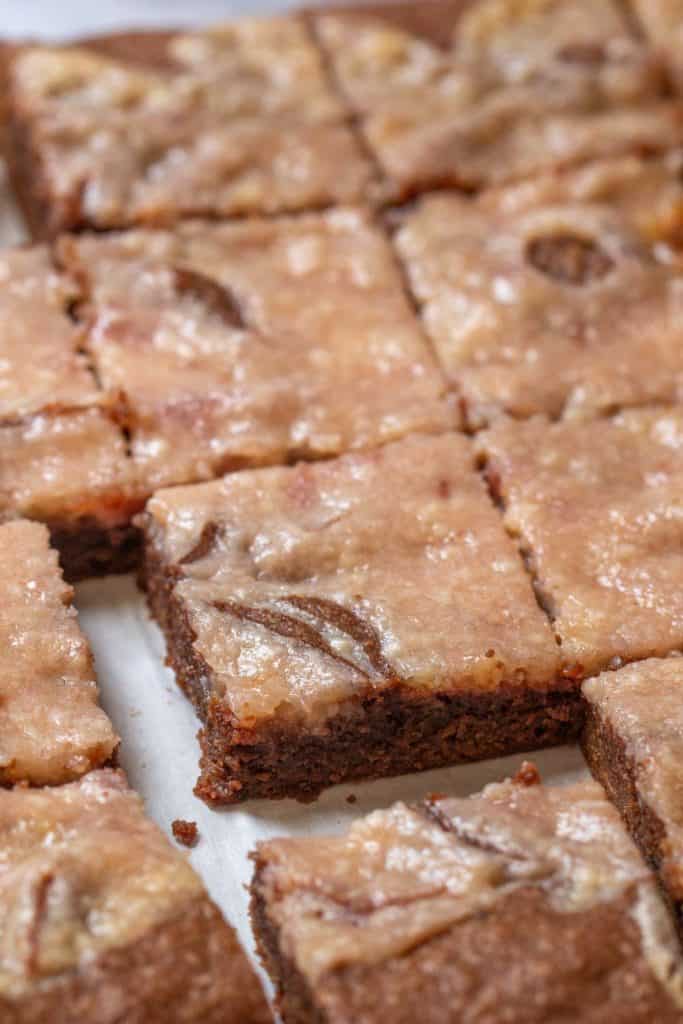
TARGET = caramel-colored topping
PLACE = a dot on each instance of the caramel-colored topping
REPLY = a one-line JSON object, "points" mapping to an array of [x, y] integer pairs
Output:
{"points": [[63, 464], [51, 728], [523, 86], [82, 871], [597, 509], [662, 21], [400, 877], [561, 295], [306, 585], [642, 703], [242, 120], [228, 342], [39, 363]]}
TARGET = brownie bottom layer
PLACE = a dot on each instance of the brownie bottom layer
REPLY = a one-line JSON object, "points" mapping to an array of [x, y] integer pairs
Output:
{"points": [[88, 549], [187, 970], [610, 764], [393, 731], [521, 962]]}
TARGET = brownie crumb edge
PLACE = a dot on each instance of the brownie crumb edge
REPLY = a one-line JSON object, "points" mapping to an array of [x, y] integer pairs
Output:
{"points": [[185, 832]]}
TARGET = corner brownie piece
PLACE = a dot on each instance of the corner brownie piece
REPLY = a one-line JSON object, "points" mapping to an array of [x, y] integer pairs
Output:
{"points": [[236, 119], [560, 295], [103, 922], [255, 342], [51, 727], [351, 619], [521, 905], [597, 510], [633, 742], [480, 93]]}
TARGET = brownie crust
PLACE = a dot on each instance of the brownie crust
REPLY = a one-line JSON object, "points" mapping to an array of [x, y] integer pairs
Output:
{"points": [[609, 762], [181, 972], [566, 960], [392, 730]]}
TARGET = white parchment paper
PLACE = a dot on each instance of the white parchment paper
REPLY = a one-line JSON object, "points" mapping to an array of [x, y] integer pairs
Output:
{"points": [[156, 723]]}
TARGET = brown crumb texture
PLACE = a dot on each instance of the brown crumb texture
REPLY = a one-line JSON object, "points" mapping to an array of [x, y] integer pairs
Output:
{"points": [[185, 832], [475, 94], [350, 930], [367, 659]]}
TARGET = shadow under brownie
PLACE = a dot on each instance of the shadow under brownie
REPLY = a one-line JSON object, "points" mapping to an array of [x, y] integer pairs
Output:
{"points": [[351, 619], [473, 94], [633, 742], [521, 905], [232, 120], [104, 922]]}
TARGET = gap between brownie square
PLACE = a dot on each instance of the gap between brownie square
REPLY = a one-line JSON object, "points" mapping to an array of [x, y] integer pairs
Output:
{"points": [[352, 619]]}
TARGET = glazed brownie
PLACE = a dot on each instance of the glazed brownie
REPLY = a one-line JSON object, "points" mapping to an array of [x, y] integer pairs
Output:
{"points": [[63, 454], [103, 922], [522, 905], [51, 727], [254, 342], [633, 742], [597, 511], [237, 119], [560, 295], [351, 619], [491, 91]]}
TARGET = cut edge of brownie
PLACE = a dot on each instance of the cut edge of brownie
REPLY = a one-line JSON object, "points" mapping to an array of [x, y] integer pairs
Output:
{"points": [[387, 730], [611, 765], [294, 999], [88, 549], [184, 961]]}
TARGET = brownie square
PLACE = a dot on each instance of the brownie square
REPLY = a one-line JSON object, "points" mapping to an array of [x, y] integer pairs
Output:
{"points": [[254, 342], [520, 905], [356, 618], [68, 467], [236, 119], [104, 921], [51, 727], [560, 295], [480, 93], [633, 742], [597, 511], [40, 362]]}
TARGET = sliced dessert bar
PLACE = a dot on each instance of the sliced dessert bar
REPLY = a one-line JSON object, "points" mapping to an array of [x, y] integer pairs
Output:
{"points": [[633, 742], [478, 93], [351, 619], [51, 727], [560, 295], [521, 905], [235, 119], [40, 361], [102, 921], [255, 342], [63, 454], [598, 510]]}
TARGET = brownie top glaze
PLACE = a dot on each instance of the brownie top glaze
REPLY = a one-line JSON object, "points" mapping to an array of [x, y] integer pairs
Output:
{"points": [[306, 585], [401, 877], [51, 727]]}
